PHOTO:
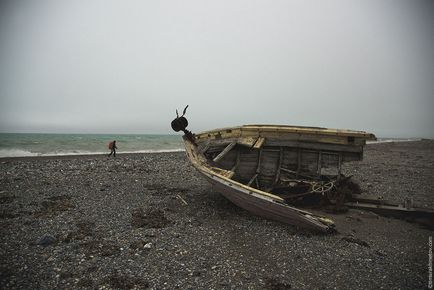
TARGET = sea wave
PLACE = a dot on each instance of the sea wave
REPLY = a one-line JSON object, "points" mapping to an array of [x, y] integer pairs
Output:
{"points": [[16, 153], [23, 153]]}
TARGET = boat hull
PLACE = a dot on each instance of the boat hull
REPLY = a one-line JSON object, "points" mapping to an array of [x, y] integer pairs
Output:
{"points": [[266, 208]]}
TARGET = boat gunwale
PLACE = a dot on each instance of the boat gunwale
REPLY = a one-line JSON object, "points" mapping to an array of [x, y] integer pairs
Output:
{"points": [[294, 129]]}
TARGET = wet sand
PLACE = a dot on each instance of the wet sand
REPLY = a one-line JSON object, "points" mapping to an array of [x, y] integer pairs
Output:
{"points": [[151, 221]]}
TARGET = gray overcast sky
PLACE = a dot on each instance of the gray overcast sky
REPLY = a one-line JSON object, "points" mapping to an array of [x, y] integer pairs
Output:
{"points": [[125, 66]]}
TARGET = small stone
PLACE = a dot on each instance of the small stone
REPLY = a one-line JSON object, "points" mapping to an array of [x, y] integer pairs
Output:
{"points": [[46, 240], [147, 246], [379, 253]]}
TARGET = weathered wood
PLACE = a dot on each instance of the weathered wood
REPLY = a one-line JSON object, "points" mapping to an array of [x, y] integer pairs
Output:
{"points": [[203, 147], [298, 162], [350, 156], [246, 141], [395, 211], [183, 200], [279, 167], [309, 134], [259, 205], [270, 149], [314, 146], [269, 161], [371, 199], [259, 143], [237, 162], [225, 151], [226, 173], [297, 174], [305, 137], [258, 167], [252, 179]]}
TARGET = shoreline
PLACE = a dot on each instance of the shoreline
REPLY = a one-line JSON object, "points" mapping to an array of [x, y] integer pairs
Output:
{"points": [[84, 156]]}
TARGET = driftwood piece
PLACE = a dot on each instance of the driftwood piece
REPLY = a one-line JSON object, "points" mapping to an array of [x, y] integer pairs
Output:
{"points": [[183, 200]]}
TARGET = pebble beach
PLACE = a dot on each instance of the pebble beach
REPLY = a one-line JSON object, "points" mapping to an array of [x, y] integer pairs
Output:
{"points": [[142, 221]]}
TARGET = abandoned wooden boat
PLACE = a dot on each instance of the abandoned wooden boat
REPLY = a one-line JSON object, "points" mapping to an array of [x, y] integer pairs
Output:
{"points": [[271, 169]]}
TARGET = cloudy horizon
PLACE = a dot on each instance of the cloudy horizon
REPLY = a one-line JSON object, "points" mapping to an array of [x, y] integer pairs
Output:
{"points": [[125, 66]]}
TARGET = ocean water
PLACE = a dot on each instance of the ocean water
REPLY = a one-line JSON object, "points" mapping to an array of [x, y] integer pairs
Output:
{"points": [[14, 145]]}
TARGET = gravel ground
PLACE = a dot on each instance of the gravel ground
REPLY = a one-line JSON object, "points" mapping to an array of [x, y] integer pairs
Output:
{"points": [[150, 221]]}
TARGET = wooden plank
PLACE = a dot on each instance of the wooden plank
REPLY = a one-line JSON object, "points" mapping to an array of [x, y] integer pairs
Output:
{"points": [[225, 151], [252, 179], [296, 173], [389, 209], [371, 200], [203, 147], [298, 162], [314, 146], [349, 156], [237, 162], [279, 167], [262, 206], [226, 173], [221, 142], [258, 168], [246, 141], [259, 143], [308, 130], [230, 174], [268, 149], [288, 129], [315, 138]]}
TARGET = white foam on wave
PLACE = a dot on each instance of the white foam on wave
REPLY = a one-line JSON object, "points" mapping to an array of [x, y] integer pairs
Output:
{"points": [[24, 153], [16, 153]]}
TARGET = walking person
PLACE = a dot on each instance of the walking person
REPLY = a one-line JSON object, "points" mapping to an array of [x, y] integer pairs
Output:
{"points": [[112, 147]]}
